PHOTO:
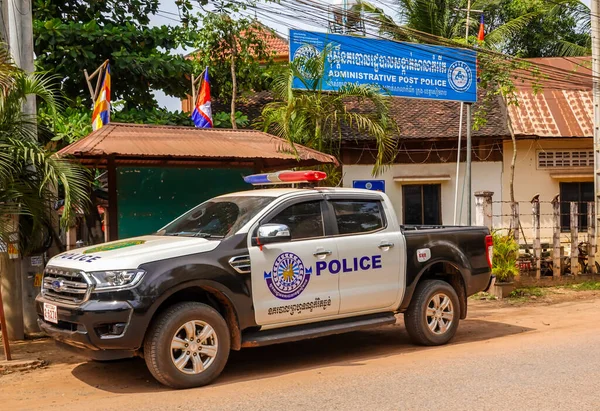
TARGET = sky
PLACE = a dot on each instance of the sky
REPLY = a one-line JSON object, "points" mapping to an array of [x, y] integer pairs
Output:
{"points": [[168, 16], [168, 13]]}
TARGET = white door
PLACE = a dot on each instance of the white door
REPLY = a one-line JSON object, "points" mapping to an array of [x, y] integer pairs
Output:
{"points": [[370, 253], [289, 280]]}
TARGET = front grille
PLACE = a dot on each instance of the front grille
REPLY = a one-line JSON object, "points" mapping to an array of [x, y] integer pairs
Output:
{"points": [[240, 263], [65, 285]]}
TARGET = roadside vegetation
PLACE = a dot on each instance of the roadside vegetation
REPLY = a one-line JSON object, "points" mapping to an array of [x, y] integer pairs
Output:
{"points": [[541, 292]]}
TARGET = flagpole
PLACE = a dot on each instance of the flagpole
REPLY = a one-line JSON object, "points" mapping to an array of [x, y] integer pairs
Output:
{"points": [[468, 10], [94, 92]]}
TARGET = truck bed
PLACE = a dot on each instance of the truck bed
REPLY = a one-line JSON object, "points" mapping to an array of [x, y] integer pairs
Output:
{"points": [[461, 246]]}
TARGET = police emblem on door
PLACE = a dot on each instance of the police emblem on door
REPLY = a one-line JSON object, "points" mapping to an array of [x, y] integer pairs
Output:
{"points": [[289, 277]]}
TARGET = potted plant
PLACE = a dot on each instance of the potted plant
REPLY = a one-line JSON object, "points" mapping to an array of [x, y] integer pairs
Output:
{"points": [[505, 257]]}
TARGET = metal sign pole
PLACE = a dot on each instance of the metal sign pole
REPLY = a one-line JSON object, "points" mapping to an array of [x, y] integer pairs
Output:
{"points": [[457, 219], [467, 178], [468, 170]]}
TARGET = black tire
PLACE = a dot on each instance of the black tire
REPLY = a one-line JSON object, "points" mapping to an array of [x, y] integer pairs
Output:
{"points": [[415, 318], [157, 346]]}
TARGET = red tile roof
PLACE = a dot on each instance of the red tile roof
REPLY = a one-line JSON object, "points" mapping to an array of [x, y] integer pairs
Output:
{"points": [[171, 145], [277, 46]]}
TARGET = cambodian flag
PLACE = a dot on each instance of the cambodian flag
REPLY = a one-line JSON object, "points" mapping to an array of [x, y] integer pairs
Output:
{"points": [[202, 114]]}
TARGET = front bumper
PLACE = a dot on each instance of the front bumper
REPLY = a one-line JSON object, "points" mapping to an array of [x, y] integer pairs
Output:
{"points": [[98, 329]]}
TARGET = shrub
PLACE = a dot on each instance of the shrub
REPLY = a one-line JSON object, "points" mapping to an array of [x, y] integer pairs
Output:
{"points": [[506, 254]]}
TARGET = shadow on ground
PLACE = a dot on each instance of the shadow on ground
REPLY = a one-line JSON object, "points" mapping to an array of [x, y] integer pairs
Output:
{"points": [[344, 350]]}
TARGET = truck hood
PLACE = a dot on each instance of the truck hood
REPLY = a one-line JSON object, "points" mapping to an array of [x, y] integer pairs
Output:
{"points": [[131, 253]]}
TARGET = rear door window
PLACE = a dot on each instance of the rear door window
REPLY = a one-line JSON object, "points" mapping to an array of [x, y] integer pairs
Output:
{"points": [[358, 216]]}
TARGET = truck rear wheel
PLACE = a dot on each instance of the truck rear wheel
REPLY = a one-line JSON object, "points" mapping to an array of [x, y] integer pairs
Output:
{"points": [[187, 345], [433, 314]]}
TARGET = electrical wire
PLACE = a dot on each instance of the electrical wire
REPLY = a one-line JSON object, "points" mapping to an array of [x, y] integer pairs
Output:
{"points": [[543, 68], [312, 13]]}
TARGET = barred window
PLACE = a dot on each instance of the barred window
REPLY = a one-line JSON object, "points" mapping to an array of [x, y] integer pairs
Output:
{"points": [[567, 158]]}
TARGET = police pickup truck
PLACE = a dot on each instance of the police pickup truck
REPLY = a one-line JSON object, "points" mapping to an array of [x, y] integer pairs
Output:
{"points": [[261, 267]]}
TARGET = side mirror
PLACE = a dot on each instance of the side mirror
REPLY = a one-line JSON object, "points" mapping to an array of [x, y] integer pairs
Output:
{"points": [[272, 233]]}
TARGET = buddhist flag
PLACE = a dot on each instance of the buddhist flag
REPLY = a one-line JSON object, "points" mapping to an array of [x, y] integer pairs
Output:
{"points": [[101, 115], [202, 114], [481, 35]]}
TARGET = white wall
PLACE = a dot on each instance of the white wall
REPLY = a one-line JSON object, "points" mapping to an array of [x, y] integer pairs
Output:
{"points": [[485, 176]]}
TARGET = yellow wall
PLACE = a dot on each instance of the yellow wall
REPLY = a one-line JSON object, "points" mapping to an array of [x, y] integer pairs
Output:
{"points": [[531, 180]]}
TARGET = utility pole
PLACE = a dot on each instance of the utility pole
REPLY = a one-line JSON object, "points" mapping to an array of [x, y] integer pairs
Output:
{"points": [[469, 147], [595, 9], [18, 289]]}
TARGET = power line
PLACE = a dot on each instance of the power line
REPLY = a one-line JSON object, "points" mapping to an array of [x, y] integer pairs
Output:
{"points": [[546, 69], [306, 13]]}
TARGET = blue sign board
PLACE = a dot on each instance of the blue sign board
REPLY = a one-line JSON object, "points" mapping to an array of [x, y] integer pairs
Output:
{"points": [[375, 185], [401, 69]]}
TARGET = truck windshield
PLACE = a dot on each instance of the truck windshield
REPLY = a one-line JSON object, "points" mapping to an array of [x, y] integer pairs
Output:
{"points": [[216, 218]]}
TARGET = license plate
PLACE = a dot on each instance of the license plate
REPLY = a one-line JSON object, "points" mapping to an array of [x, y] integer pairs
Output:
{"points": [[50, 314]]}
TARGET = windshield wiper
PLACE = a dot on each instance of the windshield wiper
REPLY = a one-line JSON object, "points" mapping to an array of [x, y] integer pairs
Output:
{"points": [[206, 235], [182, 233], [199, 234]]}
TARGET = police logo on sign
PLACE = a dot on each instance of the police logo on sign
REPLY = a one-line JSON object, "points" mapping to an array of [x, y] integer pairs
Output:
{"points": [[289, 277], [302, 54], [460, 76]]}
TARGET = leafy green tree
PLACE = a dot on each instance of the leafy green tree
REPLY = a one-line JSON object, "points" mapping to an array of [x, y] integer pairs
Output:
{"points": [[236, 53], [76, 35], [316, 119], [32, 178], [65, 127], [555, 27], [523, 28]]}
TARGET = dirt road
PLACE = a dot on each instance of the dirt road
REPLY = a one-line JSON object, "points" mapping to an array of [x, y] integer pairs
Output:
{"points": [[534, 357]]}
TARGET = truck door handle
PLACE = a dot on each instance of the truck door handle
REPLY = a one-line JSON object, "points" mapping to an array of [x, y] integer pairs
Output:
{"points": [[386, 245], [324, 253]]}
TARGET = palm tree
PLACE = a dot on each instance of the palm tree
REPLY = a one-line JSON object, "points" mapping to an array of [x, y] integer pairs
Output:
{"points": [[317, 119], [31, 178], [442, 18], [581, 14]]}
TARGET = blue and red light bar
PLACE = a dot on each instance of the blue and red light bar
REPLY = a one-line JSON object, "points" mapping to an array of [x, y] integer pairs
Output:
{"points": [[286, 177]]}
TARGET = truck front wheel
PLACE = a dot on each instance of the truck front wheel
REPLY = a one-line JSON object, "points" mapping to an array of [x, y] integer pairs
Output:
{"points": [[433, 314], [187, 345]]}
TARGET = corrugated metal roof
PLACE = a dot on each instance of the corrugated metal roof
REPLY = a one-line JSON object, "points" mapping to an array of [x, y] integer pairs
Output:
{"points": [[563, 107], [173, 145]]}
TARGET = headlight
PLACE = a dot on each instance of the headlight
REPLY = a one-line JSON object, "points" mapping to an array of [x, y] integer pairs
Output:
{"points": [[117, 279]]}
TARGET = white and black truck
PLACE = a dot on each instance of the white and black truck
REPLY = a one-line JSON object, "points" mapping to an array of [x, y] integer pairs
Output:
{"points": [[261, 267]]}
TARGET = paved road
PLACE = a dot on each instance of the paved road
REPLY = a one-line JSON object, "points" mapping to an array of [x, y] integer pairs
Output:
{"points": [[527, 358]]}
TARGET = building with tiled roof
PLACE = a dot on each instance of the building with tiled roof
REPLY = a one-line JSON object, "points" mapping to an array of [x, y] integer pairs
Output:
{"points": [[554, 131]]}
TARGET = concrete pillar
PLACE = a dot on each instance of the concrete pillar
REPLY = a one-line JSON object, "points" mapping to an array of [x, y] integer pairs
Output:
{"points": [[483, 208], [11, 283], [32, 268], [556, 255], [71, 237], [537, 245], [574, 238], [591, 238]]}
